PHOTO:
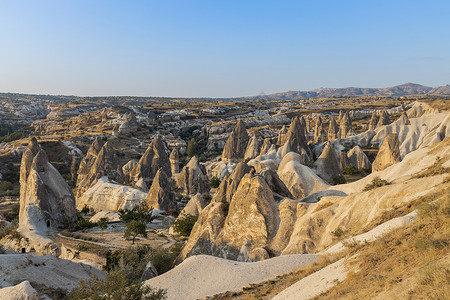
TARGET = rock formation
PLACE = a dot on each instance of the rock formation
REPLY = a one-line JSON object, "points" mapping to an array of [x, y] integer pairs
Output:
{"points": [[45, 198], [388, 154], [345, 129], [299, 179], [327, 164], [373, 121], [236, 144], [343, 160], [127, 168], [129, 126], [302, 122], [195, 206], [296, 141], [282, 136], [384, 119], [154, 158], [332, 129], [229, 184], [21, 291], [265, 147], [101, 160], [174, 158], [252, 149], [149, 271], [318, 131], [358, 159], [193, 179], [161, 196]]}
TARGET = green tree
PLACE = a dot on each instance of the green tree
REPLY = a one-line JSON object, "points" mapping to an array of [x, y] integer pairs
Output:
{"points": [[214, 182], [192, 147], [184, 223], [135, 228], [102, 223]]}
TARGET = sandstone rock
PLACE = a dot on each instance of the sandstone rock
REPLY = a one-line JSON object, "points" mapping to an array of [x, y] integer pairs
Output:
{"points": [[140, 184], [45, 198], [318, 131], [296, 141], [193, 178], [299, 179], [174, 158], [237, 143], [343, 160], [345, 129], [129, 126], [274, 182], [154, 158], [332, 129], [358, 159], [252, 149], [107, 195], [327, 164], [265, 147], [21, 291], [100, 160], [111, 216], [194, 207], [282, 136], [388, 154], [302, 122], [115, 131], [373, 121], [229, 184], [384, 119], [149, 271], [161, 196], [127, 168]]}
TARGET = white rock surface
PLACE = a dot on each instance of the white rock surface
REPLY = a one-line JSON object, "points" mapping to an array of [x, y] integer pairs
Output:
{"points": [[109, 215], [21, 291], [202, 275]]}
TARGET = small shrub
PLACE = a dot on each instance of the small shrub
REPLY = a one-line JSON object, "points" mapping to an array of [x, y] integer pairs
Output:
{"points": [[13, 214], [6, 186], [338, 232], [376, 182], [135, 228], [338, 179], [85, 209], [214, 182], [83, 224], [102, 223], [207, 198], [183, 224], [141, 213], [349, 170]]}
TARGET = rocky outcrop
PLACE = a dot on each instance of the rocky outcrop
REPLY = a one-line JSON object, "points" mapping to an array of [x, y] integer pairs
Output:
{"points": [[127, 168], [332, 129], [161, 196], [296, 141], [318, 131], [154, 158], [107, 195], [45, 198], [343, 160], [174, 158], [299, 179], [149, 271], [384, 119], [327, 164], [373, 121], [282, 136], [265, 147], [236, 144], [229, 184], [345, 128], [100, 160], [388, 154], [110, 216], [129, 126], [358, 159], [194, 207], [193, 178], [252, 149], [21, 291]]}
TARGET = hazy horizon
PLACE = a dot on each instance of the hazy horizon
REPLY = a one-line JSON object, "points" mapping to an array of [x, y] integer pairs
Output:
{"points": [[219, 49]]}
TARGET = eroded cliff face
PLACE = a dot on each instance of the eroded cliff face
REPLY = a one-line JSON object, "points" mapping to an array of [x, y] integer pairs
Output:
{"points": [[237, 143], [193, 178], [45, 198], [161, 196], [389, 153]]}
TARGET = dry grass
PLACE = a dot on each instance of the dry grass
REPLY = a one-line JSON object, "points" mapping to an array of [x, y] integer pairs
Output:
{"points": [[409, 263], [268, 289]]}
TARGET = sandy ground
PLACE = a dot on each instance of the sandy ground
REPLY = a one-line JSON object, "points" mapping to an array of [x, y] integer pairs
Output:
{"points": [[202, 275]]}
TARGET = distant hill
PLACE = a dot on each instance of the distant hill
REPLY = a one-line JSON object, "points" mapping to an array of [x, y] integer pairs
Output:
{"points": [[395, 91]]}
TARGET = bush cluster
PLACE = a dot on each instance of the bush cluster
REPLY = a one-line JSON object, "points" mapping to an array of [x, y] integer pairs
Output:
{"points": [[184, 223], [376, 182]]}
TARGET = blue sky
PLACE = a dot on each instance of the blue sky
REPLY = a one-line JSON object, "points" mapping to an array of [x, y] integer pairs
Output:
{"points": [[220, 48]]}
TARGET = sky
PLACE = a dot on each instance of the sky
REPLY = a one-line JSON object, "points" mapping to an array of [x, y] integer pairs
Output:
{"points": [[220, 48]]}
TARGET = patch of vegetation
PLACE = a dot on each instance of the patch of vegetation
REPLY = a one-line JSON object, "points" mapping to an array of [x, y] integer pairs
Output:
{"points": [[6, 186], [133, 229], [102, 223], [214, 182], [338, 233], [115, 286], [141, 213], [83, 224], [191, 147], [349, 170], [13, 214], [183, 224], [338, 179], [207, 198], [376, 182], [435, 169]]}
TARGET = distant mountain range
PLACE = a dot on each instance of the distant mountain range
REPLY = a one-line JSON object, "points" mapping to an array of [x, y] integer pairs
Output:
{"points": [[395, 91]]}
